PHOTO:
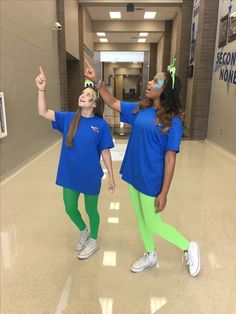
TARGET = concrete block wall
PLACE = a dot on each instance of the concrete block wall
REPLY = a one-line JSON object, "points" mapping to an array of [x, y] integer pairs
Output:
{"points": [[27, 41]]}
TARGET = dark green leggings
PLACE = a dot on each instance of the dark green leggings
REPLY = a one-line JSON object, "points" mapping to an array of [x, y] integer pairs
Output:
{"points": [[91, 205]]}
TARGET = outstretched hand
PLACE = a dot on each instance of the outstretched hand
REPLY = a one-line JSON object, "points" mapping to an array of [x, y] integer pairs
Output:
{"points": [[41, 79], [90, 72]]}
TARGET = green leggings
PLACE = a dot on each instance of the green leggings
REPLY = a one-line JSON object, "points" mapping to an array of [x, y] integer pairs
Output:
{"points": [[91, 203], [150, 222]]}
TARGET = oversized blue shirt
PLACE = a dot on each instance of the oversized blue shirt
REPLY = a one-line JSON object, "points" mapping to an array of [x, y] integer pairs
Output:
{"points": [[143, 164], [79, 167]]}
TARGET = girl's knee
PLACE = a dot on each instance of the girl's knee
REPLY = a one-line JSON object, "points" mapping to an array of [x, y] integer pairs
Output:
{"points": [[93, 214], [140, 220], [154, 224]]}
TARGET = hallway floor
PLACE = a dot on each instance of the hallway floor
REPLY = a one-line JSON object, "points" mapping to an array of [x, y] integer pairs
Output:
{"points": [[40, 271]]}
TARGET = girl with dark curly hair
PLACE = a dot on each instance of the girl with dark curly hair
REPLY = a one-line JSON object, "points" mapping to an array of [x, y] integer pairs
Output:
{"points": [[149, 161]]}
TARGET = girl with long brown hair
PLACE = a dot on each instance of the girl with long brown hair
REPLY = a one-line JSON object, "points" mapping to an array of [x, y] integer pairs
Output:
{"points": [[149, 161], [86, 137]]}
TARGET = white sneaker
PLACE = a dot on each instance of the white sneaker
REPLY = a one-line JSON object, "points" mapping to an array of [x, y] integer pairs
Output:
{"points": [[148, 260], [192, 257], [90, 248], [84, 236]]}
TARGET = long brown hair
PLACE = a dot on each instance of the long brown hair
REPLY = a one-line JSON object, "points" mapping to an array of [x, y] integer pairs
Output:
{"points": [[170, 103], [98, 111]]}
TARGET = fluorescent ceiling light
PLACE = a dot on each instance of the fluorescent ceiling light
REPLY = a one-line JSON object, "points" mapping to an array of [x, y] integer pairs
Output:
{"points": [[142, 40], [122, 56], [143, 34], [149, 15], [103, 40], [115, 15], [101, 34]]}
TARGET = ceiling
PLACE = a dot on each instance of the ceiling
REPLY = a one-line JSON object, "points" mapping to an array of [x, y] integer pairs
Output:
{"points": [[99, 12], [102, 13]]}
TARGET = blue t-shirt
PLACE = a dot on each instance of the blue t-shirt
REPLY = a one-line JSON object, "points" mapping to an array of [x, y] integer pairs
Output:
{"points": [[143, 164], [79, 167]]}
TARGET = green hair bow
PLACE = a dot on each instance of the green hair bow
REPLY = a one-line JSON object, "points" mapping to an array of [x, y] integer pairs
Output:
{"points": [[88, 83], [172, 70]]}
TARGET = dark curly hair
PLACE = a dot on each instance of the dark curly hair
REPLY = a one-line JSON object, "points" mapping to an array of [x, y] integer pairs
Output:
{"points": [[169, 100]]}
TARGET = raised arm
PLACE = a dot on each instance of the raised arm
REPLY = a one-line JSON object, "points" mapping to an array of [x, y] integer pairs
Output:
{"points": [[106, 95], [42, 105]]}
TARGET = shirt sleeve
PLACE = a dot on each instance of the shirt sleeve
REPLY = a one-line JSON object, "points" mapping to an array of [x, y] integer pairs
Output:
{"points": [[127, 114], [174, 135], [59, 123], [106, 141]]}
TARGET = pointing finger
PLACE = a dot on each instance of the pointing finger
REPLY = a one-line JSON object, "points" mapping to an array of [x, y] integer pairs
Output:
{"points": [[87, 63], [41, 70]]}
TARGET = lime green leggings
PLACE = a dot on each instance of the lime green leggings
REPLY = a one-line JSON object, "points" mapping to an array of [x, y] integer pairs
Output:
{"points": [[91, 205], [150, 222]]}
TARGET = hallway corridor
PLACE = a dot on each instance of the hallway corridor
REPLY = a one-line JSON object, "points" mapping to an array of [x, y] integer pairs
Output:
{"points": [[40, 271]]}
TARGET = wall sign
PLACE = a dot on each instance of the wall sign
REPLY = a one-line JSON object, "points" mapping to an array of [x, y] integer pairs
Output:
{"points": [[227, 31], [232, 27], [225, 61], [223, 32]]}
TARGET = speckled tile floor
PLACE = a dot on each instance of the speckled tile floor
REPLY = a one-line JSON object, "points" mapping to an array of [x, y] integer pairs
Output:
{"points": [[40, 271]]}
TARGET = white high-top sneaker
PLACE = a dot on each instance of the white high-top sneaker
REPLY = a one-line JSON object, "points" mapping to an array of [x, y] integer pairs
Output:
{"points": [[84, 236], [148, 260], [90, 248], [192, 257]]}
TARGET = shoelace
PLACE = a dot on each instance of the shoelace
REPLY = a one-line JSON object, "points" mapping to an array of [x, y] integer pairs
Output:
{"points": [[142, 258], [188, 258], [82, 237], [90, 243], [145, 256]]}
